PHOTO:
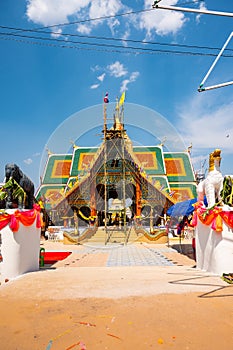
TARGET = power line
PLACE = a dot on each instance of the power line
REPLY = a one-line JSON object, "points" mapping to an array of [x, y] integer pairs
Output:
{"points": [[106, 38], [38, 30], [97, 18], [105, 17], [108, 48], [120, 48]]}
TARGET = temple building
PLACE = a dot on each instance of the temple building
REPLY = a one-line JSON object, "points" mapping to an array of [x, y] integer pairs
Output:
{"points": [[116, 182]]}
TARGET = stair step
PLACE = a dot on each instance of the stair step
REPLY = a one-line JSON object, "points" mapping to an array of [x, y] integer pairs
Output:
{"points": [[115, 236]]}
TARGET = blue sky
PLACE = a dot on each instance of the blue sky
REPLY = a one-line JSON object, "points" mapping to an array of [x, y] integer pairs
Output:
{"points": [[46, 83]]}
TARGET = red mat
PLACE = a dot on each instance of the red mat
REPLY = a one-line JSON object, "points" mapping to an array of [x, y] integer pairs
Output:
{"points": [[52, 257]]}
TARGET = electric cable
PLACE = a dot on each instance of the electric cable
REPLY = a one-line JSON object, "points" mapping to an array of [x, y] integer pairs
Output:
{"points": [[108, 38], [121, 49]]}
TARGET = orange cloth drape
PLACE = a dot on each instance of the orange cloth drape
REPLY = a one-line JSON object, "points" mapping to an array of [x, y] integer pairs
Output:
{"points": [[27, 218], [213, 217]]}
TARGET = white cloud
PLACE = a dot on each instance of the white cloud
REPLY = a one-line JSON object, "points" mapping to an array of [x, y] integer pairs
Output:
{"points": [[84, 29], [101, 77], [201, 7], [161, 22], [117, 69], [126, 36], [102, 8], [49, 12], [113, 25], [94, 86], [28, 161], [206, 121], [95, 68], [132, 78], [56, 33]]}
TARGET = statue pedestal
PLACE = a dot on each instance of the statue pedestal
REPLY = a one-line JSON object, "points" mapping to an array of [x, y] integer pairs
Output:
{"points": [[20, 250], [214, 250]]}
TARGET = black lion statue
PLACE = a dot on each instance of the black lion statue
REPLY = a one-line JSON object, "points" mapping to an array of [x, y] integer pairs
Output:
{"points": [[13, 171]]}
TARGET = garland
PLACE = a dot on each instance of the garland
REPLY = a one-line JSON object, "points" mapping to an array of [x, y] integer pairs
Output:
{"points": [[92, 218], [27, 218], [213, 217]]}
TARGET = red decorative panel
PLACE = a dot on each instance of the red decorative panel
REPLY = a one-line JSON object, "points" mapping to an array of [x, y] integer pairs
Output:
{"points": [[85, 160], [175, 166], [52, 196], [182, 194], [61, 168], [147, 160]]}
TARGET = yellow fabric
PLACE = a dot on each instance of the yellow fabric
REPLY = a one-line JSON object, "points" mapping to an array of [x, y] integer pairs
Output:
{"points": [[122, 99]]}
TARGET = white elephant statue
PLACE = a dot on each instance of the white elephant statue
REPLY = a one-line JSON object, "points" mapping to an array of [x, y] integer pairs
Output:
{"points": [[211, 186]]}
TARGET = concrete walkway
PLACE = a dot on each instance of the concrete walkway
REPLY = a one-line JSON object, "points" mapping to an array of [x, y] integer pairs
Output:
{"points": [[111, 255], [113, 272]]}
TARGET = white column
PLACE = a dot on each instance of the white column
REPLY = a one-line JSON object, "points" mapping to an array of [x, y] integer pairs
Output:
{"points": [[214, 250], [20, 250]]}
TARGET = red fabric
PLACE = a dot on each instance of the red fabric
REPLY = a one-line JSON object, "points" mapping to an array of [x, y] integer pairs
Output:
{"points": [[227, 217], [4, 220], [52, 257], [212, 217], [27, 218]]}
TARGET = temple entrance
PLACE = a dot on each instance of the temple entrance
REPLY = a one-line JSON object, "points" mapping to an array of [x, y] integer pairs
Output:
{"points": [[119, 209]]}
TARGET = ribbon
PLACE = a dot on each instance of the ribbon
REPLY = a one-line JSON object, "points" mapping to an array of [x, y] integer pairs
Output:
{"points": [[27, 218], [212, 217]]}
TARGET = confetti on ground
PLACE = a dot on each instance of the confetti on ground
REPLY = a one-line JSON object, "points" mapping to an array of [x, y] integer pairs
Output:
{"points": [[49, 345], [88, 324], [80, 343], [72, 346], [83, 346], [160, 341], [61, 335], [114, 336]]}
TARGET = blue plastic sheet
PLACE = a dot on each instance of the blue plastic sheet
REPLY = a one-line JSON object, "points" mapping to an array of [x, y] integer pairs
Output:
{"points": [[183, 208]]}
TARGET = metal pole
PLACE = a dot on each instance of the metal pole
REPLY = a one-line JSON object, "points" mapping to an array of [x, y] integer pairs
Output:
{"points": [[185, 9], [216, 60], [105, 170], [151, 220], [215, 86], [124, 178]]}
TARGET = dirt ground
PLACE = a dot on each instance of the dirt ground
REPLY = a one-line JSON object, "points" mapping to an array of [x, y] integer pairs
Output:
{"points": [[160, 322], [189, 321], [78, 307]]}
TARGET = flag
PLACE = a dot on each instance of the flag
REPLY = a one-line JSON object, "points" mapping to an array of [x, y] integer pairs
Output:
{"points": [[122, 99], [106, 100], [70, 184]]}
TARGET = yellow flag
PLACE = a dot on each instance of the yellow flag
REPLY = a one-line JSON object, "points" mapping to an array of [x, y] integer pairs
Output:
{"points": [[122, 99]]}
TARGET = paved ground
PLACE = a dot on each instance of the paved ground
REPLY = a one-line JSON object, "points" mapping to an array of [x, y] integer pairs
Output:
{"points": [[137, 254], [115, 271]]}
